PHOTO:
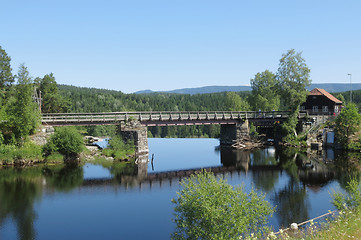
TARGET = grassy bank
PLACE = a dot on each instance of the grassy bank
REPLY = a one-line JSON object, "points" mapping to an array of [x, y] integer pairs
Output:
{"points": [[346, 226], [29, 153]]}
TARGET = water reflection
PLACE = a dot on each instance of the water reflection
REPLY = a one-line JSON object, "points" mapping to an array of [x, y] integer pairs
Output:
{"points": [[292, 180], [63, 178], [19, 190]]}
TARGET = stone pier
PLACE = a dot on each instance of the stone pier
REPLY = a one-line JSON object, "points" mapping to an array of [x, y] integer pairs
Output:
{"points": [[231, 133], [134, 131]]}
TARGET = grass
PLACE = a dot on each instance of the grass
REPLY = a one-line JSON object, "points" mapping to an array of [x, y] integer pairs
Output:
{"points": [[119, 149], [29, 152], [55, 158], [346, 226]]}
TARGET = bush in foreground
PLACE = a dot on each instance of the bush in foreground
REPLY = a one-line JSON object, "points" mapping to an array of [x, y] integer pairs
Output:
{"points": [[351, 199], [207, 208]]}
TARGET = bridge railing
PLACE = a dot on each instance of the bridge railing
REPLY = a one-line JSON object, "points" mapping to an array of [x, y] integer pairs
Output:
{"points": [[113, 117]]}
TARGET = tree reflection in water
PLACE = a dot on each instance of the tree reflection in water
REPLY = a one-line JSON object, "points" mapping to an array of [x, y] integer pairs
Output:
{"points": [[21, 188], [265, 179], [17, 197], [64, 178]]}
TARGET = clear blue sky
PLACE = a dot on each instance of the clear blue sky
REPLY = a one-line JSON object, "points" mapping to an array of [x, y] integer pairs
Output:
{"points": [[164, 45]]}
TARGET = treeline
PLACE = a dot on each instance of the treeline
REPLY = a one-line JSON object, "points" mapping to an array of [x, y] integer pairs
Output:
{"points": [[345, 97], [22, 100], [101, 100], [20, 105]]}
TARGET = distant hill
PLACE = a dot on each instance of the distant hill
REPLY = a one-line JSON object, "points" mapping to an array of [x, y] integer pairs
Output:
{"points": [[201, 90], [329, 87], [335, 87]]}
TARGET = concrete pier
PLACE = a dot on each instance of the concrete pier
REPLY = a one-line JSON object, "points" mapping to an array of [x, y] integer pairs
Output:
{"points": [[231, 133], [134, 131]]}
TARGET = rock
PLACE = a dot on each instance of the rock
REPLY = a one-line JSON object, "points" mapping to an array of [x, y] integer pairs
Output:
{"points": [[42, 135], [294, 226]]}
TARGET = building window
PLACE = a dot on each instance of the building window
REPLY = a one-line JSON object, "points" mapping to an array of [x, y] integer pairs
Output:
{"points": [[336, 109], [314, 108], [302, 108], [324, 108]]}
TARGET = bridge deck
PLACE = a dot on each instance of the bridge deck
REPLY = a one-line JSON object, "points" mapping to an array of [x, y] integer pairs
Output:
{"points": [[160, 118]]}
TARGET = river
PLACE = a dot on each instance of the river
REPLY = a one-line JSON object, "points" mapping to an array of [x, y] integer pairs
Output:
{"points": [[120, 201]]}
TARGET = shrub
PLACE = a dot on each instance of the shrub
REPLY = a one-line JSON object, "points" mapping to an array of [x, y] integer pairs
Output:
{"points": [[118, 148], [207, 208], [66, 140], [350, 199], [347, 123], [54, 158], [29, 151]]}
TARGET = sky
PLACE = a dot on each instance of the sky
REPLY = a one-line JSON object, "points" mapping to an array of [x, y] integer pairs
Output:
{"points": [[165, 45]]}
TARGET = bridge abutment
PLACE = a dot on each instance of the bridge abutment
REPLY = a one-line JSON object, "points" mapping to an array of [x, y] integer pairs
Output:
{"points": [[134, 131], [231, 133]]}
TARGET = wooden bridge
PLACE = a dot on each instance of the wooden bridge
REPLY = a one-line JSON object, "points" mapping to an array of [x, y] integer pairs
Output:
{"points": [[162, 118]]}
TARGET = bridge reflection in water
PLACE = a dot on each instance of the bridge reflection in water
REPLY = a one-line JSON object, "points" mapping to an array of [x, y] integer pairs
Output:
{"points": [[313, 171]]}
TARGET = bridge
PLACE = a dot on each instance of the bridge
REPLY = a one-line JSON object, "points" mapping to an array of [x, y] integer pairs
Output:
{"points": [[133, 125], [163, 118]]}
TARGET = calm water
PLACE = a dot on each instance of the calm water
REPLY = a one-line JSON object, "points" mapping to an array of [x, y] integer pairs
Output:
{"points": [[119, 201]]}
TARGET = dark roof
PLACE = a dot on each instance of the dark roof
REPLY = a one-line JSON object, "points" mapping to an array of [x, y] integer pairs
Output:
{"points": [[320, 91]]}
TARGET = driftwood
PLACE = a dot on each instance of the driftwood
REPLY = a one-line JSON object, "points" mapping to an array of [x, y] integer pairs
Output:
{"points": [[248, 142]]}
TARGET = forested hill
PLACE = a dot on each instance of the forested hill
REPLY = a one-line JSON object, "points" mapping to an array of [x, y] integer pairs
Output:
{"points": [[101, 100], [329, 87], [202, 90]]}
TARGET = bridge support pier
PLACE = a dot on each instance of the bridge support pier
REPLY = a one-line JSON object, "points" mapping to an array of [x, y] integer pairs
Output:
{"points": [[231, 133], [134, 131]]}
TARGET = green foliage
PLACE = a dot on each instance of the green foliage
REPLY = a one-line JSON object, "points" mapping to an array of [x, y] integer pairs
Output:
{"points": [[341, 98], [101, 130], [66, 140], [21, 115], [52, 101], [207, 208], [347, 123], [25, 115], [234, 102], [293, 76], [11, 153], [288, 128], [264, 92], [253, 130], [54, 157], [351, 199], [6, 77], [118, 149]]}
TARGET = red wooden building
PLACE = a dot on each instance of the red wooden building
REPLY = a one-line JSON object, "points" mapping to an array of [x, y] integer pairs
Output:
{"points": [[319, 101]]}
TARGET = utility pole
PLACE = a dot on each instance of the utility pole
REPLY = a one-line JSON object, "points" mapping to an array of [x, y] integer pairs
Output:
{"points": [[350, 86]]}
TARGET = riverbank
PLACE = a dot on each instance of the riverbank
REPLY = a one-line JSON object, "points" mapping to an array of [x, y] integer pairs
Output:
{"points": [[346, 225]]}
